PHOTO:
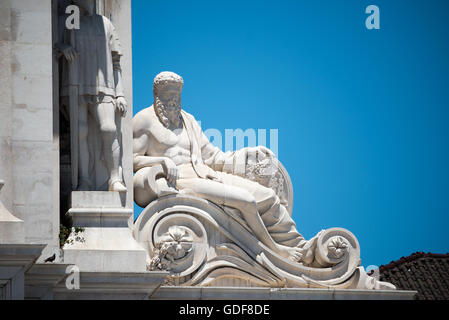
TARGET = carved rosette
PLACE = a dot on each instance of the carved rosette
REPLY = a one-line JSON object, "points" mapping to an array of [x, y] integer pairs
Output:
{"points": [[177, 243], [170, 248], [336, 245]]}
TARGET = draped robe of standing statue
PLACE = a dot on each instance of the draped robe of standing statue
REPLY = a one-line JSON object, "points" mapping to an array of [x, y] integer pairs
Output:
{"points": [[99, 51]]}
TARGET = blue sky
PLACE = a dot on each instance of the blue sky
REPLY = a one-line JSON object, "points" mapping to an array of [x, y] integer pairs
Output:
{"points": [[363, 115]]}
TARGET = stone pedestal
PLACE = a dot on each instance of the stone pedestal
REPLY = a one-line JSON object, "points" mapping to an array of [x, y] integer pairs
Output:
{"points": [[105, 243]]}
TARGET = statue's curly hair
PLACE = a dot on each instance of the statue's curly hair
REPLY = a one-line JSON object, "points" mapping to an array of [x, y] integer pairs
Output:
{"points": [[166, 77]]}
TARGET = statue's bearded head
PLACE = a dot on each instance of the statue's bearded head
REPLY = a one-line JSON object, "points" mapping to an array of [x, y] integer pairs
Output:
{"points": [[87, 7], [167, 90]]}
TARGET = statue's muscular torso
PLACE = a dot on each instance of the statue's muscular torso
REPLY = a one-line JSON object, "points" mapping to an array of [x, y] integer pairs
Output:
{"points": [[163, 142]]}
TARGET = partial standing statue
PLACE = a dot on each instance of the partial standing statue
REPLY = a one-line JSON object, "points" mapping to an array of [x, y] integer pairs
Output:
{"points": [[92, 89]]}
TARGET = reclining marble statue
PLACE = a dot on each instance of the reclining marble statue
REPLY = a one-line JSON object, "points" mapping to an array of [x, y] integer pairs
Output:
{"points": [[92, 90], [175, 162]]}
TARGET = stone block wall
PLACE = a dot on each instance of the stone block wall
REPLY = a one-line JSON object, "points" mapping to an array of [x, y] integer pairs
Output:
{"points": [[28, 141]]}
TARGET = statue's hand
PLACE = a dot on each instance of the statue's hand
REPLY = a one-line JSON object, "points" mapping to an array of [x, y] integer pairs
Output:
{"points": [[260, 152], [69, 53], [122, 106], [171, 171]]}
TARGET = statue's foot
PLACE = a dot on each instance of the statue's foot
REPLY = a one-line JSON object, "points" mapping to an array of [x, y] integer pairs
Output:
{"points": [[308, 255], [309, 249], [117, 186], [294, 254]]}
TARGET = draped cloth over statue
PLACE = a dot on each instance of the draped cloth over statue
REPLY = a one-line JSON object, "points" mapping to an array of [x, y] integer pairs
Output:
{"points": [[91, 79], [97, 43], [209, 162]]}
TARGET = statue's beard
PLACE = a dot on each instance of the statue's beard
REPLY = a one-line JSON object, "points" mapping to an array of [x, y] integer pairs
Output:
{"points": [[166, 117]]}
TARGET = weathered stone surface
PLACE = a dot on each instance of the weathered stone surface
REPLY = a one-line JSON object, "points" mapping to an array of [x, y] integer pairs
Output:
{"points": [[25, 32], [36, 93], [96, 199], [31, 59], [106, 243], [26, 119]]}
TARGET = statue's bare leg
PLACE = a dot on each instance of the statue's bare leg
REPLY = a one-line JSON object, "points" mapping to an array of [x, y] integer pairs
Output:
{"points": [[83, 151], [105, 115], [236, 197]]}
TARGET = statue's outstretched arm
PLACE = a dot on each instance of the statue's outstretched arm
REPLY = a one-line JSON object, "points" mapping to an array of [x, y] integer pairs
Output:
{"points": [[216, 158], [231, 161]]}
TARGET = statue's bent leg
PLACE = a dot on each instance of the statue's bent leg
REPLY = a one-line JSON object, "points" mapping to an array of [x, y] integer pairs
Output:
{"points": [[237, 197], [83, 150], [275, 216], [105, 115]]}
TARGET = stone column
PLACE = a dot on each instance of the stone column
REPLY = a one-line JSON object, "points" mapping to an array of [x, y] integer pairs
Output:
{"points": [[28, 154]]}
